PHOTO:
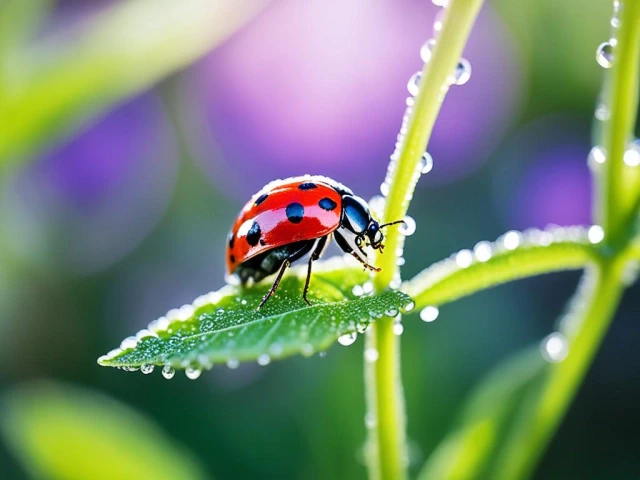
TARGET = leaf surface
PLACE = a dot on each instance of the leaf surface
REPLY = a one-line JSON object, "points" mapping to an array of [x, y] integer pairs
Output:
{"points": [[226, 327]]}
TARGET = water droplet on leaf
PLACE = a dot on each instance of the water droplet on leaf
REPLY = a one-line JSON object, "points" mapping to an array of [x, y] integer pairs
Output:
{"points": [[347, 339], [168, 372]]}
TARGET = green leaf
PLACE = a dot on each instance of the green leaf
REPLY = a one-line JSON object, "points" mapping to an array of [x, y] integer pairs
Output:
{"points": [[60, 83], [225, 326], [513, 256], [60, 432], [465, 452]]}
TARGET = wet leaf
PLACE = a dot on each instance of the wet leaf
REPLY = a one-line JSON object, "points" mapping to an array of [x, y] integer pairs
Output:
{"points": [[225, 326]]}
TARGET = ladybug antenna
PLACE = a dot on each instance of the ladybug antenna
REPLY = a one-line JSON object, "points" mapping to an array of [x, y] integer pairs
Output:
{"points": [[393, 223]]}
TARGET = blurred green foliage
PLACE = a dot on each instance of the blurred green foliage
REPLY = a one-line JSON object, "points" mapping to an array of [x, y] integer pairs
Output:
{"points": [[63, 432]]}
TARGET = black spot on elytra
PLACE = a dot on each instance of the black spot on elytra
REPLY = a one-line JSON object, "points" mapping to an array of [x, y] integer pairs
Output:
{"points": [[262, 242], [295, 212], [261, 199], [307, 186], [327, 204], [232, 258], [253, 235], [231, 239]]}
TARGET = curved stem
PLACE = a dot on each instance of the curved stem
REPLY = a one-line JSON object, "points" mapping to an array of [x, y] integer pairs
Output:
{"points": [[447, 281], [387, 452], [542, 412], [584, 329]]}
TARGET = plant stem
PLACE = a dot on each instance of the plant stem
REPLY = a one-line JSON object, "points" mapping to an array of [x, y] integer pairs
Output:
{"points": [[387, 453], [618, 205], [542, 413], [446, 281], [540, 416]]}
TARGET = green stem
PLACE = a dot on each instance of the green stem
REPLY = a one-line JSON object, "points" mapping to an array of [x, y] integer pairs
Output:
{"points": [[540, 416], [542, 413], [387, 452], [618, 205], [446, 281]]}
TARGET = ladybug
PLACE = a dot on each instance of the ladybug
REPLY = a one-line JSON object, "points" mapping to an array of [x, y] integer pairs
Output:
{"points": [[290, 218]]}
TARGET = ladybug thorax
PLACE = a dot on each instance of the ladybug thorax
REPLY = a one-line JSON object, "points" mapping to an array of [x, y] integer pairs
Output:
{"points": [[357, 226]]}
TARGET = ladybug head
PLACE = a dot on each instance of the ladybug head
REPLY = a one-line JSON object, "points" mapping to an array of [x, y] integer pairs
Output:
{"points": [[357, 218]]}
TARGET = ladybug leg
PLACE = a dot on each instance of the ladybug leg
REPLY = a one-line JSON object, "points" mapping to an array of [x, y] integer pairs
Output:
{"points": [[306, 248], [365, 264], [347, 248], [320, 244], [274, 287]]}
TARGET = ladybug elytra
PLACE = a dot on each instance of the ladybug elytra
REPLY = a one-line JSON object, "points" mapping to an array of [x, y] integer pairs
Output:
{"points": [[290, 218]]}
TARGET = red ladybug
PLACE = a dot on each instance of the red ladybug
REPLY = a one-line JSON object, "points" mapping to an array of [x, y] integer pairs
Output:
{"points": [[288, 219]]}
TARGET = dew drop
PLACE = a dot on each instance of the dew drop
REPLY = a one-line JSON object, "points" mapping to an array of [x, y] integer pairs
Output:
{"points": [[307, 349], [555, 347], [408, 307], [426, 163], [384, 189], [483, 251], [362, 327], [370, 420], [192, 373], [367, 287], [512, 240], [408, 228], [632, 155], [429, 314], [604, 55], [427, 49], [128, 343], [233, 363], [243, 302], [392, 312], [595, 234], [347, 339], [462, 73], [400, 261], [371, 355], [441, 3], [414, 83], [264, 359], [596, 157], [437, 22], [602, 113], [464, 258], [357, 290], [147, 368], [398, 328], [376, 203], [168, 372]]}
